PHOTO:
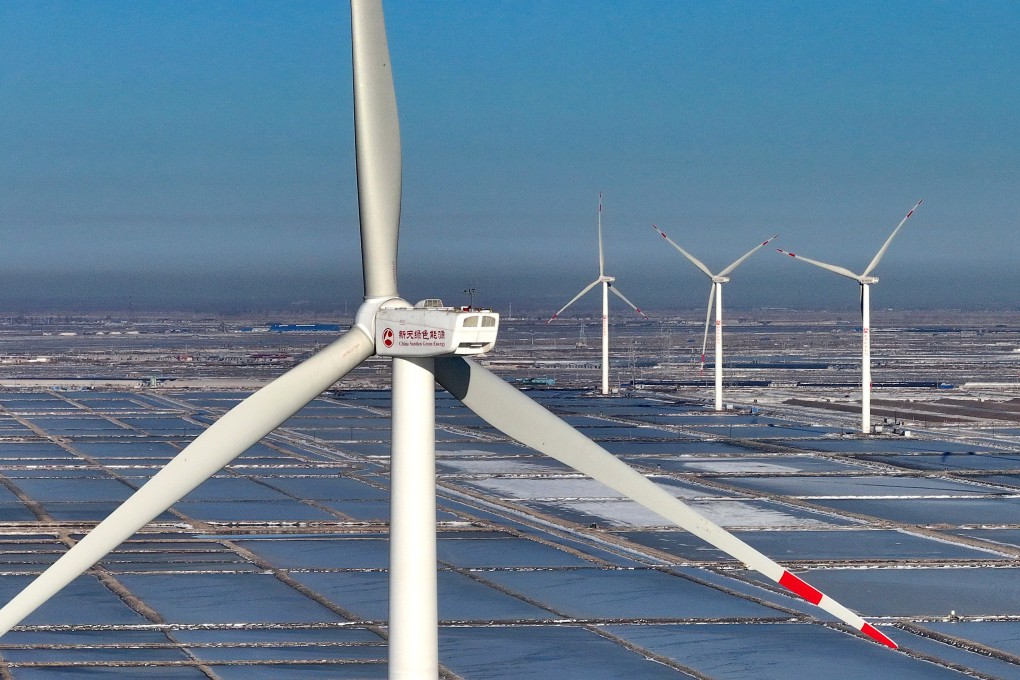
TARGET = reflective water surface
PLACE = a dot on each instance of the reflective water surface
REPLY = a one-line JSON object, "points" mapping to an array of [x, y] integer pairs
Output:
{"points": [[278, 566]]}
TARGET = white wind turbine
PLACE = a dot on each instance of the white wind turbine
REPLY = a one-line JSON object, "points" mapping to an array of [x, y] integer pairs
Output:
{"points": [[387, 325], [607, 285], [714, 292], [865, 280]]}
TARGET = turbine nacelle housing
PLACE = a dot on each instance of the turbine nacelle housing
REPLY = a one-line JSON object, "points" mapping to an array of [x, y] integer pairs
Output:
{"points": [[868, 280], [430, 330]]}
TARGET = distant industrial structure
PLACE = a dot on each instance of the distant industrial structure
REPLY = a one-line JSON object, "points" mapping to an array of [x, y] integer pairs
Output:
{"points": [[293, 328]]}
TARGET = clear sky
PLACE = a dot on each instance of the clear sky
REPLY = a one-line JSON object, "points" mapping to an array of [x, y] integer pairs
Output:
{"points": [[201, 153]]}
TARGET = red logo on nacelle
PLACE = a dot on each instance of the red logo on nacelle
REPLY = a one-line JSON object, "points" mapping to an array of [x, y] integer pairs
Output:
{"points": [[387, 337]]}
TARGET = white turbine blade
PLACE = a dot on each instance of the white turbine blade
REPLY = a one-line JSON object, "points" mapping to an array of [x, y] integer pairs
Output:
{"points": [[620, 295], [510, 411], [842, 271], [227, 438], [576, 298], [752, 251], [602, 259], [377, 138], [697, 263], [885, 246], [708, 321]]}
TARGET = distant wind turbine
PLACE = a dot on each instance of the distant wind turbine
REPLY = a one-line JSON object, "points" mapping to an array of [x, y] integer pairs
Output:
{"points": [[865, 280], [714, 292], [607, 285]]}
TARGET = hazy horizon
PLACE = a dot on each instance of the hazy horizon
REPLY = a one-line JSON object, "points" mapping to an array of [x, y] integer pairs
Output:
{"points": [[659, 291]]}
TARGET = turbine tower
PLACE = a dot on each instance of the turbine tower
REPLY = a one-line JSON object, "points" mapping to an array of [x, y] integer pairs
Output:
{"points": [[865, 279], [607, 285], [386, 325], [714, 292]]}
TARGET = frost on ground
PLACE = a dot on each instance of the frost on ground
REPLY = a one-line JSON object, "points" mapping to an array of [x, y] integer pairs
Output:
{"points": [[726, 513], [742, 467], [564, 487], [493, 467]]}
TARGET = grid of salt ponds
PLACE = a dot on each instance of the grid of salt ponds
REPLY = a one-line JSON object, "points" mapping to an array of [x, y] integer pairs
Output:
{"points": [[277, 567]]}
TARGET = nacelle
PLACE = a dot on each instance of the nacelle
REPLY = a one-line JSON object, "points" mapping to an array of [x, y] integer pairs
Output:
{"points": [[430, 330]]}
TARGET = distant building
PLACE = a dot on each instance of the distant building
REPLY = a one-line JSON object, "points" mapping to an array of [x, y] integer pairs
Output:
{"points": [[293, 328], [304, 328]]}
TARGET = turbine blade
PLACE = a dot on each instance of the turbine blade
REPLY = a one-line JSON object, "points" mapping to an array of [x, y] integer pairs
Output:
{"points": [[697, 263], [726, 272], [885, 246], [377, 139], [576, 298], [512, 412], [620, 295], [708, 321], [227, 438], [842, 271]]}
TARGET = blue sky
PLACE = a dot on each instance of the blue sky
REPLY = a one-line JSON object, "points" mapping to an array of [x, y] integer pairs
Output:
{"points": [[202, 152]]}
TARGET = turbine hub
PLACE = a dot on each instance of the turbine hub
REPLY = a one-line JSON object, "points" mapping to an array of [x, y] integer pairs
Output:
{"points": [[365, 317]]}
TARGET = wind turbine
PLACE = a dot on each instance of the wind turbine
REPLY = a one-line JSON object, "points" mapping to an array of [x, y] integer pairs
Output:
{"points": [[865, 279], [607, 285], [386, 325], [714, 292]]}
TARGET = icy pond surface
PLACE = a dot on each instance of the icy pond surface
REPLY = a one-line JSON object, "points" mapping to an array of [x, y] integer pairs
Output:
{"points": [[277, 567]]}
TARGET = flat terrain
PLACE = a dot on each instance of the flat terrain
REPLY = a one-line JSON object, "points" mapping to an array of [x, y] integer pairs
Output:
{"points": [[277, 566]]}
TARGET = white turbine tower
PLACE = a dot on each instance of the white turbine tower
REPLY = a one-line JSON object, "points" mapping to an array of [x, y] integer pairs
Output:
{"points": [[607, 285], [714, 292], [386, 325], [865, 280]]}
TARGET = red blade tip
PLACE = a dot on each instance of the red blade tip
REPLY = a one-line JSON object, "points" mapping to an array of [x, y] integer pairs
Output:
{"points": [[801, 587], [878, 636]]}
